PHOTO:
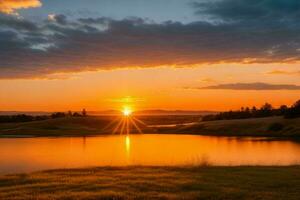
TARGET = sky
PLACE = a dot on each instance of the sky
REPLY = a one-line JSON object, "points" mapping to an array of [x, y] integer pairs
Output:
{"points": [[172, 54]]}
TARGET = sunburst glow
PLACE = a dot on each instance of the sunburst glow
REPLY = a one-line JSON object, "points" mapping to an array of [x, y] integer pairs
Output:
{"points": [[127, 111], [126, 123]]}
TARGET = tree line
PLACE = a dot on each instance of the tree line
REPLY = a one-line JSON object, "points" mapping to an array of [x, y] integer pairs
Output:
{"points": [[267, 110], [30, 118]]}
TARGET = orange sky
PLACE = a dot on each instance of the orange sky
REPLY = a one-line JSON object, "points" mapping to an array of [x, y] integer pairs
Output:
{"points": [[153, 88], [74, 54]]}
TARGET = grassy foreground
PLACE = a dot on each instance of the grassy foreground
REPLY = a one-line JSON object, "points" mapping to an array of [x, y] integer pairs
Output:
{"points": [[155, 183], [93, 125]]}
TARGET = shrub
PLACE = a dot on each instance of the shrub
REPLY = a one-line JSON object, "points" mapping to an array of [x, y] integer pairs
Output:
{"points": [[276, 127]]}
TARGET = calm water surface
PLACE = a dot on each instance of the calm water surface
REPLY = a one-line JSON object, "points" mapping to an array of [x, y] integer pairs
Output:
{"points": [[31, 154]]}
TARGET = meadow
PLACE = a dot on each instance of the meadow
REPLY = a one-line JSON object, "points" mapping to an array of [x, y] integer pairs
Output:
{"points": [[97, 125], [201, 182], [265, 127], [87, 126]]}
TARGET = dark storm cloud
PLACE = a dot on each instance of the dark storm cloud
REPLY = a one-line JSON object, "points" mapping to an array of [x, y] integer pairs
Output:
{"points": [[249, 86], [7, 21], [248, 10], [29, 49], [60, 19]]}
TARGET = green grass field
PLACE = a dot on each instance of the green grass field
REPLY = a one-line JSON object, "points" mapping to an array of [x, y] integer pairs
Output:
{"points": [[155, 183], [88, 126]]}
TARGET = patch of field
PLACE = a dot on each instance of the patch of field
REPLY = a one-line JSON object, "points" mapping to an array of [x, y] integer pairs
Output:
{"points": [[270, 126], [155, 183], [69, 126], [85, 126], [95, 125]]}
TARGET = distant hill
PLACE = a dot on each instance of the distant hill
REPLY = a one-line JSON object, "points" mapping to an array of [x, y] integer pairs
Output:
{"points": [[156, 112], [33, 113], [116, 112]]}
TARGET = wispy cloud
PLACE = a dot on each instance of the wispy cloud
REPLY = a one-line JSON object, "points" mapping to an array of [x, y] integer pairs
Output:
{"points": [[248, 86], [208, 80], [127, 99], [283, 72], [10, 6]]}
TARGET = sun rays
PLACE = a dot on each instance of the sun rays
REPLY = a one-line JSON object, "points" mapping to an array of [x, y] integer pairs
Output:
{"points": [[126, 123]]}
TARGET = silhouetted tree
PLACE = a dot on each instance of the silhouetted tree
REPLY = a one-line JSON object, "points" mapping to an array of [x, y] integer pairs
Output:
{"points": [[70, 113], [20, 118], [84, 113], [266, 110], [254, 111], [58, 115], [293, 111], [76, 114], [242, 109], [283, 110]]}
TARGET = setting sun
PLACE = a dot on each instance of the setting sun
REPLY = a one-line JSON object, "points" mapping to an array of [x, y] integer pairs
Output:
{"points": [[97, 97], [127, 111]]}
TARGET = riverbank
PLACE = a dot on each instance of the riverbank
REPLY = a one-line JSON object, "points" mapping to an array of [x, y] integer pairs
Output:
{"points": [[91, 126], [155, 182], [257, 127]]}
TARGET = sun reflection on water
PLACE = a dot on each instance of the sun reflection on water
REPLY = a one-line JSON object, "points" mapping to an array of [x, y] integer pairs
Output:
{"points": [[127, 146]]}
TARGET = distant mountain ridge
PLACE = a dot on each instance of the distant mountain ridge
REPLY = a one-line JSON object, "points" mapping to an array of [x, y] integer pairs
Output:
{"points": [[116, 112], [175, 112], [33, 113]]}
